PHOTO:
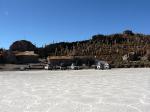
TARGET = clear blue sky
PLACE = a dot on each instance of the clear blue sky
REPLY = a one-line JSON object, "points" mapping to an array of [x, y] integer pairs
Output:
{"points": [[45, 21]]}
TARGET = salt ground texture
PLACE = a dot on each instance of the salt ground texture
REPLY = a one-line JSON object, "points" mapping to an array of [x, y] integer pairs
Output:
{"points": [[116, 90]]}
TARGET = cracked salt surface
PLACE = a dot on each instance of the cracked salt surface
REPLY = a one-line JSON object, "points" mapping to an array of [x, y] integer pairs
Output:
{"points": [[116, 90]]}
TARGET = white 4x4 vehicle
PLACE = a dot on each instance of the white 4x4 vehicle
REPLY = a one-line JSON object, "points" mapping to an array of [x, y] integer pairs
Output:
{"points": [[74, 67], [102, 65], [106, 66], [48, 67]]}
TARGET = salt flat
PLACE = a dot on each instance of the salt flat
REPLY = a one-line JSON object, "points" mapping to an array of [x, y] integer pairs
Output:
{"points": [[116, 90]]}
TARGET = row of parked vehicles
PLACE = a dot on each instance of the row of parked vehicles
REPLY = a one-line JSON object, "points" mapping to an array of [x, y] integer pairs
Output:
{"points": [[64, 65], [100, 65]]}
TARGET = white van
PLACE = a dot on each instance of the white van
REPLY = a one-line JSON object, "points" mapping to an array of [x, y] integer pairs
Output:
{"points": [[101, 65]]}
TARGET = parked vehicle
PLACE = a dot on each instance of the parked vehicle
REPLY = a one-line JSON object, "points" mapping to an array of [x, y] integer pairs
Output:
{"points": [[74, 67], [36, 66], [106, 66], [63, 66], [101, 65], [22, 68], [48, 67]]}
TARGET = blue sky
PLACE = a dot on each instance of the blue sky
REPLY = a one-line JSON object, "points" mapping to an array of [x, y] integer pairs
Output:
{"points": [[45, 21]]}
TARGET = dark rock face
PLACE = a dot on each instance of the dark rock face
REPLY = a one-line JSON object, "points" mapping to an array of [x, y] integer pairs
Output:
{"points": [[128, 32], [22, 45]]}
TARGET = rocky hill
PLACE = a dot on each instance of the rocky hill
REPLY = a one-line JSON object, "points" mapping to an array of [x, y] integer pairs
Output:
{"points": [[118, 49], [125, 49]]}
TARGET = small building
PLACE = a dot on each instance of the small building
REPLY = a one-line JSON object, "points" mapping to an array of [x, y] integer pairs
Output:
{"points": [[26, 57], [57, 60], [68, 60]]}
